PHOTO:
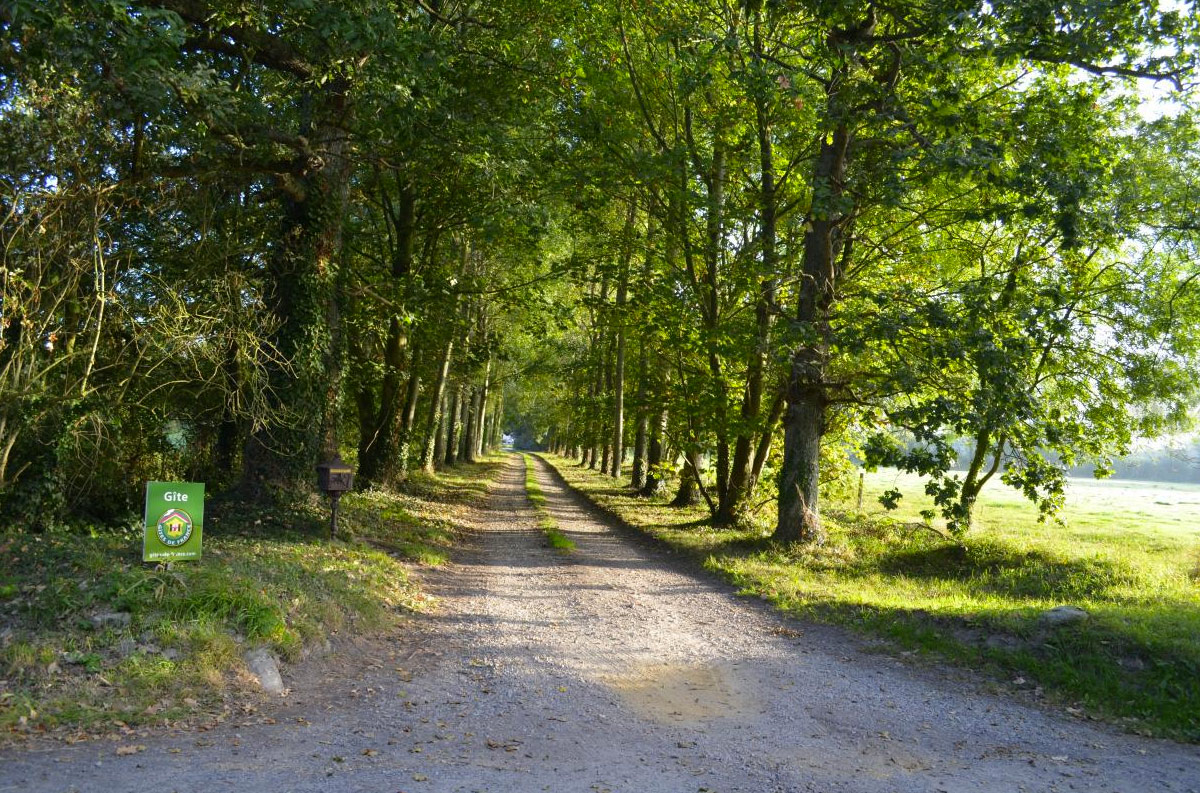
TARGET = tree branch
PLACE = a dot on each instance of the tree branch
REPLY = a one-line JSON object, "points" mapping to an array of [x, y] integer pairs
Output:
{"points": [[263, 48]]}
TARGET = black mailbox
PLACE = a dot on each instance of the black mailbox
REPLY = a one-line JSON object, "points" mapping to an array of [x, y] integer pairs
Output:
{"points": [[335, 477]]}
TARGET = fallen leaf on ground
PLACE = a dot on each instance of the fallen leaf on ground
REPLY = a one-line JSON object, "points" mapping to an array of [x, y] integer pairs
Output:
{"points": [[123, 751]]}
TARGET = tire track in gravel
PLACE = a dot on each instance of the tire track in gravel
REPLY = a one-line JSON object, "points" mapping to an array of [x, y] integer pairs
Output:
{"points": [[616, 667]]}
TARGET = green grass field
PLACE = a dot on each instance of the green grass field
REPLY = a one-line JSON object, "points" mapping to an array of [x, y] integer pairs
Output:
{"points": [[1127, 554], [1096, 508]]}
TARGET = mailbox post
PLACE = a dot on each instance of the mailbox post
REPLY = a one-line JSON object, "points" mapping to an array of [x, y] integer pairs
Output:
{"points": [[334, 477]]}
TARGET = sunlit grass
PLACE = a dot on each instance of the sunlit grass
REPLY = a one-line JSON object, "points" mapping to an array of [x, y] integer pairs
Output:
{"points": [[1128, 556], [546, 521], [267, 578]]}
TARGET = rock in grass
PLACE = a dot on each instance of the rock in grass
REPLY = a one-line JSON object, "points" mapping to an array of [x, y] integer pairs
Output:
{"points": [[1063, 615], [112, 619], [264, 667], [1003, 641]]}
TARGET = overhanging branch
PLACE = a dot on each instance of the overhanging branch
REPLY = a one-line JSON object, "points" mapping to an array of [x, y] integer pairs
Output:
{"points": [[260, 47]]}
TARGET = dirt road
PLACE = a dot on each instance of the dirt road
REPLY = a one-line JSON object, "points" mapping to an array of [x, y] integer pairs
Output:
{"points": [[615, 668]]}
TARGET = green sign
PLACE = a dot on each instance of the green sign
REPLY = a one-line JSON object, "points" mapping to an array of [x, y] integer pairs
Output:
{"points": [[174, 521]]}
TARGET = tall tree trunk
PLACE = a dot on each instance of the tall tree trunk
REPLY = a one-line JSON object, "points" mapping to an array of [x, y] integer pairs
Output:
{"points": [[618, 442], [408, 419], [654, 456], [763, 450], [724, 513], [804, 421], [689, 491], [467, 437], [453, 425], [301, 293], [712, 255], [439, 431], [618, 436], [481, 420], [976, 478], [641, 434], [603, 377], [382, 461], [604, 439], [498, 423], [640, 443], [429, 453]]}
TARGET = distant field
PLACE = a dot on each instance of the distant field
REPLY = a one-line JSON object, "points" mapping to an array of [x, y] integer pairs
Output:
{"points": [[1095, 508]]}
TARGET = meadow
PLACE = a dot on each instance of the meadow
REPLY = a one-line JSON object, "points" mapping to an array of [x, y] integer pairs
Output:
{"points": [[1097, 510]]}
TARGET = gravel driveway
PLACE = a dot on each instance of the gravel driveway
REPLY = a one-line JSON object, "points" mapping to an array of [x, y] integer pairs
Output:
{"points": [[614, 667]]}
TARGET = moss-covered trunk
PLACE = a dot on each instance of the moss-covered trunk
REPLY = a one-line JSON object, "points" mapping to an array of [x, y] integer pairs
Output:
{"points": [[301, 292]]}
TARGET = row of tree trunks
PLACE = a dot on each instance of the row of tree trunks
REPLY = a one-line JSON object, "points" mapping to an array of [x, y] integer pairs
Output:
{"points": [[475, 427], [384, 455], [740, 457], [642, 433]]}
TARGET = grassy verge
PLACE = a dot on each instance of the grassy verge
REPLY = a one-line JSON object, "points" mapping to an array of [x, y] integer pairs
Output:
{"points": [[546, 521], [92, 640], [1135, 660]]}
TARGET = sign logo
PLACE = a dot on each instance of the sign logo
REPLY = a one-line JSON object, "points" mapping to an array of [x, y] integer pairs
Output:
{"points": [[174, 528], [173, 523]]}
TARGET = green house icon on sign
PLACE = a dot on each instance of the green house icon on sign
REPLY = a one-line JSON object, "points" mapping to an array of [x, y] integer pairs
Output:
{"points": [[174, 527]]}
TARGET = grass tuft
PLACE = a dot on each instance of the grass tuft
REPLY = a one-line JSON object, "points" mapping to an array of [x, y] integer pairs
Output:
{"points": [[546, 521]]}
